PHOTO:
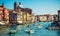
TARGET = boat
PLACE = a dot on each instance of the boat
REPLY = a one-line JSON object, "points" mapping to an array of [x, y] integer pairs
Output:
{"points": [[2, 23], [40, 26], [30, 31], [12, 31], [53, 28], [13, 28]]}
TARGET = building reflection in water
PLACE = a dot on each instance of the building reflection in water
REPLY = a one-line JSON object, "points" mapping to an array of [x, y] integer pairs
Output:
{"points": [[58, 33], [11, 34]]}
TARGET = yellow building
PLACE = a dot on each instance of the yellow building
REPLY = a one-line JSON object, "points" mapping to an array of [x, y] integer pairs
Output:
{"points": [[23, 15], [34, 18], [29, 17], [26, 15], [43, 18], [19, 16]]}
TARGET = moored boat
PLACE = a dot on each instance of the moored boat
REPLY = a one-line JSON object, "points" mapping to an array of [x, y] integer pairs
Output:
{"points": [[13, 31], [30, 31], [39, 26]]}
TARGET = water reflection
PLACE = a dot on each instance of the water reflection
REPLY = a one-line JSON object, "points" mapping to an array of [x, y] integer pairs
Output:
{"points": [[11, 34], [58, 33], [13, 27]]}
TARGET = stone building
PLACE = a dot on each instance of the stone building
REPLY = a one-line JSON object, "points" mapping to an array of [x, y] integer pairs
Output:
{"points": [[59, 16], [12, 17], [46, 17], [23, 14]]}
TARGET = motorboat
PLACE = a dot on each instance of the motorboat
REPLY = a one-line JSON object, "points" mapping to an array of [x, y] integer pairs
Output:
{"points": [[2, 23], [13, 31], [53, 28], [13, 28], [30, 31], [39, 26]]}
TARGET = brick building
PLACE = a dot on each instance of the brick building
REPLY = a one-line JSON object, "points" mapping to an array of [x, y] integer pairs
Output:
{"points": [[1, 12]]}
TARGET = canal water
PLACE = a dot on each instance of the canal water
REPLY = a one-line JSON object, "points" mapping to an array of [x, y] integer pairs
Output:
{"points": [[37, 31]]}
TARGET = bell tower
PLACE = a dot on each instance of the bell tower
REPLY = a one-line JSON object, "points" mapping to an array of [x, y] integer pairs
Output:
{"points": [[15, 5]]}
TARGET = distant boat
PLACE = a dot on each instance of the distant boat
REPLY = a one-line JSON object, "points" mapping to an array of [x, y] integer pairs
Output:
{"points": [[53, 28], [30, 31], [40, 26], [12, 31]]}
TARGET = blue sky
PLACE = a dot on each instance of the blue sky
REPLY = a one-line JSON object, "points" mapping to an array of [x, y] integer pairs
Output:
{"points": [[39, 7]]}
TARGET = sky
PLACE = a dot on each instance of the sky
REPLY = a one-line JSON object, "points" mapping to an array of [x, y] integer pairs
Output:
{"points": [[39, 7]]}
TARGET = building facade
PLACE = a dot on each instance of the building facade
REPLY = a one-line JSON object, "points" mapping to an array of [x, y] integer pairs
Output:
{"points": [[45, 17], [1, 12], [23, 14], [12, 17], [4, 15], [59, 16]]}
